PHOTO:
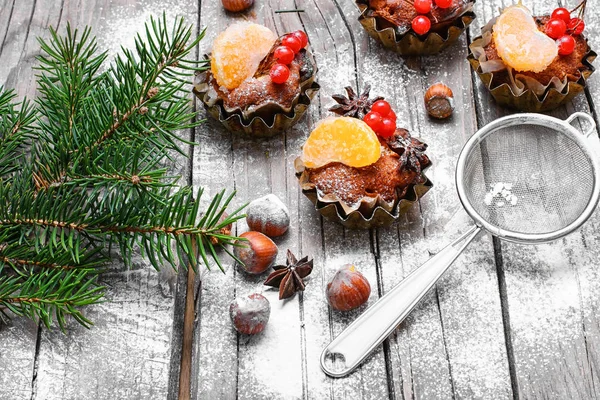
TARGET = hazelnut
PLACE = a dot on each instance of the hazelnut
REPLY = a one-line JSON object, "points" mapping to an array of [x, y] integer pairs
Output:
{"points": [[439, 101], [268, 215], [257, 254], [348, 289], [250, 313], [237, 5]]}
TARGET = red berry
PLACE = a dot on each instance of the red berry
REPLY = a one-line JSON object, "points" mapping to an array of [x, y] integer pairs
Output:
{"points": [[421, 24], [422, 6], [555, 28], [392, 116], [279, 73], [300, 35], [576, 26], [566, 45], [443, 3], [561, 13], [388, 127], [292, 42], [284, 54], [374, 120], [381, 107]]}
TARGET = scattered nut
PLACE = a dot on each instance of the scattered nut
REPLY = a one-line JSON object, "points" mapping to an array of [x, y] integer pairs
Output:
{"points": [[268, 215], [257, 254], [250, 313], [439, 101], [237, 5], [348, 289]]}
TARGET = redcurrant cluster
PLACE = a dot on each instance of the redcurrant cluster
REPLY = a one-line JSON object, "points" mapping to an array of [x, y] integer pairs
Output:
{"points": [[382, 119], [285, 53], [562, 27], [421, 24]]}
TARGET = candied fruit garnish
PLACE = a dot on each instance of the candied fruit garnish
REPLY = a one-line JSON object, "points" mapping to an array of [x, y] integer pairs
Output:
{"points": [[238, 51], [520, 43], [346, 140]]}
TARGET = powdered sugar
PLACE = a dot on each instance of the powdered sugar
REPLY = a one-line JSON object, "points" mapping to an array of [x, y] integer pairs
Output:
{"points": [[500, 194], [125, 22], [268, 215]]}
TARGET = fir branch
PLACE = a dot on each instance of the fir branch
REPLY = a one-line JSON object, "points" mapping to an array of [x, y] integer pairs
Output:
{"points": [[51, 295], [16, 124], [95, 176]]}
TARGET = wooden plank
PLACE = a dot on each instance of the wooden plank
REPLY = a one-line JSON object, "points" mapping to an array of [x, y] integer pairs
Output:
{"points": [[332, 44], [254, 168], [545, 290], [17, 338], [214, 371], [128, 353], [437, 332]]}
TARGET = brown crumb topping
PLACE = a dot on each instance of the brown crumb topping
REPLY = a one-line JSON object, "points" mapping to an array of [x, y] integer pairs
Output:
{"points": [[260, 90], [563, 66], [386, 178], [402, 12]]}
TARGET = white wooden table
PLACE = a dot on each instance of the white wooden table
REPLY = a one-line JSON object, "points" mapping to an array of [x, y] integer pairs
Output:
{"points": [[507, 321]]}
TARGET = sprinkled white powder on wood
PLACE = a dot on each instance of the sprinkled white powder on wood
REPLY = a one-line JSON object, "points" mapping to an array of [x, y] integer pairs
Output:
{"points": [[125, 22]]}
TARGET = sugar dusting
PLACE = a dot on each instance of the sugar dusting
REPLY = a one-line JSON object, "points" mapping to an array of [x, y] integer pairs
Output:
{"points": [[268, 213], [280, 355], [125, 22], [500, 194]]}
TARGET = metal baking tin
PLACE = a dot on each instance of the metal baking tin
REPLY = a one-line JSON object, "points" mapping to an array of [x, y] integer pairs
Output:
{"points": [[254, 122], [372, 213], [409, 43], [528, 101]]}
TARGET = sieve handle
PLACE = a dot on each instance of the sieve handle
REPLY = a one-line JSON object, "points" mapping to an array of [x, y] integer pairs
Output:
{"points": [[588, 118], [359, 339]]}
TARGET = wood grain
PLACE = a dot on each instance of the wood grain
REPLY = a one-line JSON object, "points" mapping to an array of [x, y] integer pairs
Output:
{"points": [[128, 353], [506, 321], [544, 289]]}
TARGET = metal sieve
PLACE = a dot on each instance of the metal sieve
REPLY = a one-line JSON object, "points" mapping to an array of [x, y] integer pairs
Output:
{"points": [[526, 178]]}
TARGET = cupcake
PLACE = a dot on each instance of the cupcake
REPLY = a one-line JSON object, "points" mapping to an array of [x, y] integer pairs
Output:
{"points": [[362, 171], [416, 27], [533, 64], [257, 84]]}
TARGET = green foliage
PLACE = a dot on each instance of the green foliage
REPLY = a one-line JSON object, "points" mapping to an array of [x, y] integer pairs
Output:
{"points": [[82, 169]]}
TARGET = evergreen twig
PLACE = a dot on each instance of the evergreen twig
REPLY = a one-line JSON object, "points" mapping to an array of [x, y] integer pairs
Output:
{"points": [[82, 169]]}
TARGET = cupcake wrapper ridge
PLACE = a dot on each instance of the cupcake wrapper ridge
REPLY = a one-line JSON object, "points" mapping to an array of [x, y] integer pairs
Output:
{"points": [[409, 43], [521, 92], [266, 120], [370, 212]]}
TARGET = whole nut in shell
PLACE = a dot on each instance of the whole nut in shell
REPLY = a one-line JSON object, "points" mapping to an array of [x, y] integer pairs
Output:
{"points": [[439, 101], [237, 5], [348, 289], [250, 313], [268, 215], [257, 254]]}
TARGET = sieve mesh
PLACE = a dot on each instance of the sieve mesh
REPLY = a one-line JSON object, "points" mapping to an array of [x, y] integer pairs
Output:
{"points": [[528, 179]]}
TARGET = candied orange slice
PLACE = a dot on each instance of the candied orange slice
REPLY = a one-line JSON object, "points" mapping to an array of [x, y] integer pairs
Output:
{"points": [[520, 43], [343, 139], [238, 51]]}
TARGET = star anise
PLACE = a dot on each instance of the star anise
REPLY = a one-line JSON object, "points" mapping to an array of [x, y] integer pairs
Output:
{"points": [[288, 278], [354, 105], [411, 150]]}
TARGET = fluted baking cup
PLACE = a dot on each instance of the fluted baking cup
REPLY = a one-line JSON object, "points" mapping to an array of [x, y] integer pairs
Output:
{"points": [[441, 35], [265, 120], [524, 92], [370, 212]]}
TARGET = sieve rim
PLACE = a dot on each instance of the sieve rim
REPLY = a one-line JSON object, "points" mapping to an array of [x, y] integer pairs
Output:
{"points": [[588, 143]]}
